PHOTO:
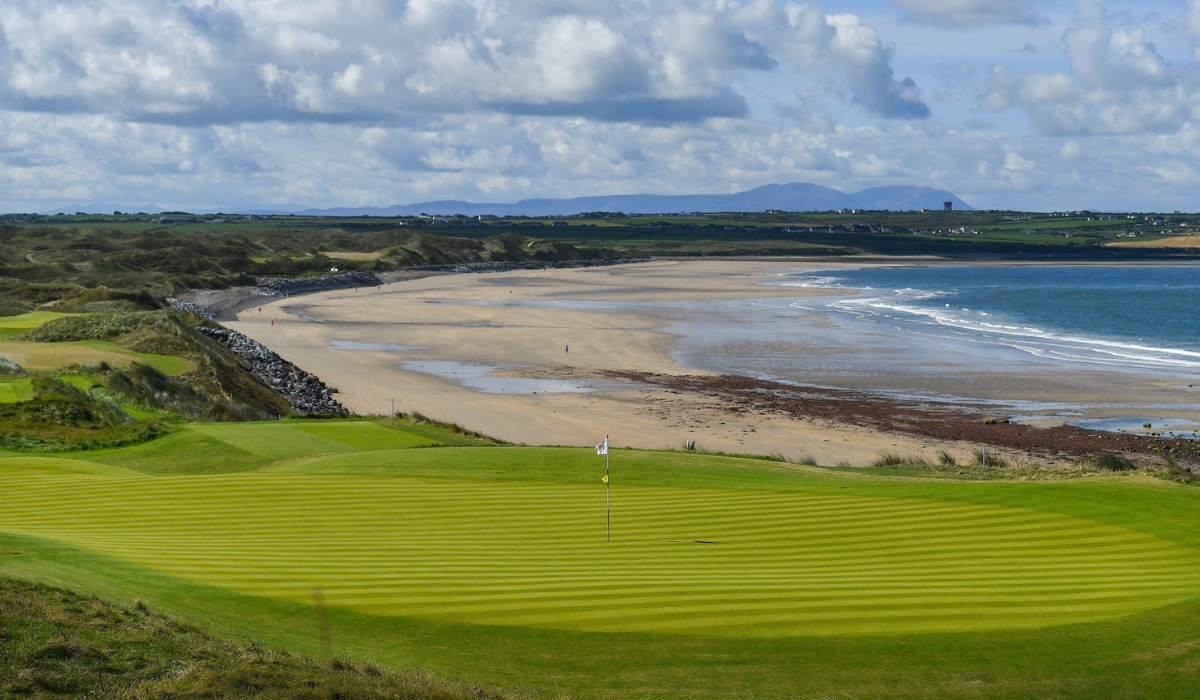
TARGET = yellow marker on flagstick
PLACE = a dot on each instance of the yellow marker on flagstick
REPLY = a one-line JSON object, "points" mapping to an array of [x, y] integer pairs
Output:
{"points": [[602, 449]]}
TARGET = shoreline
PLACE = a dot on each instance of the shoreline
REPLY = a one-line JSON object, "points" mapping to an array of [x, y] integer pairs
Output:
{"points": [[368, 343], [225, 304]]}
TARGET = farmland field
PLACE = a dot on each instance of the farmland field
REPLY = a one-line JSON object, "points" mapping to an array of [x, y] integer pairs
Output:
{"points": [[724, 575]]}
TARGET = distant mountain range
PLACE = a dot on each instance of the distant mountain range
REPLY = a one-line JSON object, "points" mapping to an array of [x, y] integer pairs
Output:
{"points": [[797, 196]]}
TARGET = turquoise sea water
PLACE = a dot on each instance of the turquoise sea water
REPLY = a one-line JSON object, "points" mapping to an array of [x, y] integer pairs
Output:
{"points": [[1135, 316]]}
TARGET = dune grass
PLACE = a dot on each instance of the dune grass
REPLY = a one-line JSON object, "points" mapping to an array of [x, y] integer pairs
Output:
{"points": [[724, 576], [61, 644]]}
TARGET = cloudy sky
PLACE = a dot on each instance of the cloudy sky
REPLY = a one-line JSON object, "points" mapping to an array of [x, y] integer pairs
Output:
{"points": [[1037, 104]]}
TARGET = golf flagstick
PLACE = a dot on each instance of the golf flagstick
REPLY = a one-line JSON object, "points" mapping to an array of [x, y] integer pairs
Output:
{"points": [[602, 449]]}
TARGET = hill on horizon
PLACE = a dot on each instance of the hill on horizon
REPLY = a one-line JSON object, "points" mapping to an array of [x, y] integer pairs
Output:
{"points": [[796, 196]]}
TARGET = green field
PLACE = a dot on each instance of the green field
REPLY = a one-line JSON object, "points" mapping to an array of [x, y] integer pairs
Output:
{"points": [[16, 325], [53, 356], [725, 576]]}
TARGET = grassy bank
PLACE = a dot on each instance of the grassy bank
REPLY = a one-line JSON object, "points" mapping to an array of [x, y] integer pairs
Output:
{"points": [[61, 644], [725, 575]]}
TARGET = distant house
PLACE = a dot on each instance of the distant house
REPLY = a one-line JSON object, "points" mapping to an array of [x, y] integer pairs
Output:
{"points": [[559, 223], [173, 220]]}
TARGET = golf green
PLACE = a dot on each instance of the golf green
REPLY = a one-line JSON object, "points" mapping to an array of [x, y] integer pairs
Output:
{"points": [[682, 560], [722, 573]]}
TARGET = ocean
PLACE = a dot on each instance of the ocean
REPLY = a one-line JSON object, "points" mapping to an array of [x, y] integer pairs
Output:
{"points": [[1132, 316]]}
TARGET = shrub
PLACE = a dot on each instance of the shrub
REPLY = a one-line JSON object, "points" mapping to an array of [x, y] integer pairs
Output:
{"points": [[1109, 462], [992, 459], [895, 459]]}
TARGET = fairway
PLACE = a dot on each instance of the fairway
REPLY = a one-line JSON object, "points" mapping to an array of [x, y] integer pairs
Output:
{"points": [[13, 390], [531, 553], [52, 356], [501, 551]]}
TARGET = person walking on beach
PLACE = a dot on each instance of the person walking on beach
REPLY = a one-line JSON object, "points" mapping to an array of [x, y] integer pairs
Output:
{"points": [[568, 349]]}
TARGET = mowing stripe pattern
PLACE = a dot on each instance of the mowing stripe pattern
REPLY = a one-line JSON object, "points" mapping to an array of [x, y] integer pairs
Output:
{"points": [[682, 560]]}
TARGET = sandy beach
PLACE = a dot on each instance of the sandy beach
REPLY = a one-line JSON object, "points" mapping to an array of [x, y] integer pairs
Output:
{"points": [[433, 344]]}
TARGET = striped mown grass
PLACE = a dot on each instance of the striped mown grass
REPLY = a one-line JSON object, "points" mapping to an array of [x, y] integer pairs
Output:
{"points": [[531, 553]]}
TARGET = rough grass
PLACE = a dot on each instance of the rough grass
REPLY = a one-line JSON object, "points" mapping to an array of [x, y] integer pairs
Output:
{"points": [[59, 416], [54, 643], [1002, 467], [150, 388], [200, 363], [100, 326], [1109, 462], [443, 431]]}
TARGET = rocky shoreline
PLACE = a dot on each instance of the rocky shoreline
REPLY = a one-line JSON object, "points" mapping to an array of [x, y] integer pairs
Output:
{"points": [[304, 391], [944, 421]]}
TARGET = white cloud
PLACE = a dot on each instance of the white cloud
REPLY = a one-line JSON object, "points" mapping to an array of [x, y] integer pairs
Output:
{"points": [[195, 62], [191, 103], [867, 65], [1118, 83], [349, 80]]}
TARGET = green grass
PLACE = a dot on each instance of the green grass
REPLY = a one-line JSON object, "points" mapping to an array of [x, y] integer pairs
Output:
{"points": [[13, 390], [166, 364], [60, 644], [218, 448], [40, 356], [16, 325], [725, 575]]}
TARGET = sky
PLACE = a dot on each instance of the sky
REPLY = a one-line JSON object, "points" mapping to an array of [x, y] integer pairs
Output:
{"points": [[207, 104]]}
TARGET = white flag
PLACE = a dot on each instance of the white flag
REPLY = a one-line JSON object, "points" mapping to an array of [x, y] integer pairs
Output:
{"points": [[602, 448]]}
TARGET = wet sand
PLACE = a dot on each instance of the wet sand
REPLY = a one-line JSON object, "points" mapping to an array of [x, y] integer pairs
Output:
{"points": [[372, 344]]}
